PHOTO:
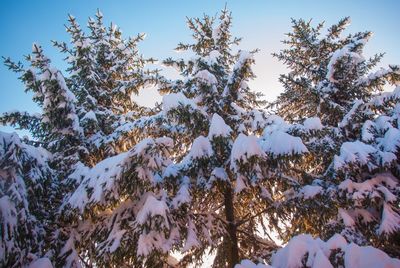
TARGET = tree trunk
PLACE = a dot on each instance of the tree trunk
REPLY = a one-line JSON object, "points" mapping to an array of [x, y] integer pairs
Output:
{"points": [[232, 250]]}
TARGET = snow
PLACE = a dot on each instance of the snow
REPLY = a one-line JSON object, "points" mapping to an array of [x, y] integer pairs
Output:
{"points": [[145, 244], [140, 148], [173, 100], [353, 152], [389, 197], [317, 252], [11, 141], [380, 183], [59, 95], [340, 54], [100, 178], [90, 116], [150, 241], [275, 123], [182, 196], [390, 221], [212, 57], [367, 133], [365, 81], [320, 260], [8, 214], [171, 170], [41, 263], [101, 189], [201, 148], [391, 141], [239, 110], [335, 242], [383, 179], [206, 77], [367, 257], [292, 254], [153, 162], [309, 191], [312, 123], [7, 118], [23, 170], [258, 121], [382, 186], [347, 118], [244, 56], [279, 143], [383, 122], [239, 185], [220, 28], [117, 236], [250, 264], [191, 238], [152, 207], [216, 32], [219, 173], [218, 128], [244, 148], [364, 216], [385, 158], [346, 217]]}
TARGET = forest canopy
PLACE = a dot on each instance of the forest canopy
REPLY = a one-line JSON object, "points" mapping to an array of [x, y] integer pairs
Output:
{"points": [[308, 180]]}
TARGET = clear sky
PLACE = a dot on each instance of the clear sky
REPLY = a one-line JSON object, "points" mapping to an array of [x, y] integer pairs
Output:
{"points": [[262, 25]]}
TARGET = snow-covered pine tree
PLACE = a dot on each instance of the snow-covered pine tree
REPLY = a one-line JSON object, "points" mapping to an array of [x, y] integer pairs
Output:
{"points": [[55, 131], [362, 179], [25, 179], [57, 128], [81, 121], [350, 184], [327, 73], [105, 70], [229, 158]]}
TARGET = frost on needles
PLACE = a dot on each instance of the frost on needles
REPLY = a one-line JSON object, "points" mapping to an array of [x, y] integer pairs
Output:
{"points": [[213, 169]]}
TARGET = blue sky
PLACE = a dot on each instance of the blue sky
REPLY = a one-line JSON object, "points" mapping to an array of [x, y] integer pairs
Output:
{"points": [[262, 24]]}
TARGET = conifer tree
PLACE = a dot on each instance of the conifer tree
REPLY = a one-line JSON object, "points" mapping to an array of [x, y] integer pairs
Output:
{"points": [[230, 159], [327, 73], [25, 177], [105, 70], [79, 126], [350, 186]]}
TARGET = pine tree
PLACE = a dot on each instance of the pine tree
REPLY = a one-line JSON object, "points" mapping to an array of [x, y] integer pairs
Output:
{"points": [[25, 177], [350, 185], [327, 73], [105, 70], [82, 121], [56, 130], [230, 158]]}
